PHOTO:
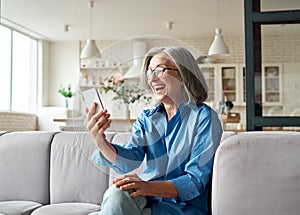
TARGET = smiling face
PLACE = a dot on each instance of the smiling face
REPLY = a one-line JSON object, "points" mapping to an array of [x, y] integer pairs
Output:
{"points": [[168, 87]]}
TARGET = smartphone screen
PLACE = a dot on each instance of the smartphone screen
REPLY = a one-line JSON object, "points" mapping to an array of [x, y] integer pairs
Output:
{"points": [[92, 96]]}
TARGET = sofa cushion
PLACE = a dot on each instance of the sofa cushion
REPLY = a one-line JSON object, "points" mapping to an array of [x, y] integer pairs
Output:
{"points": [[73, 176], [18, 207], [257, 173], [24, 166], [67, 209]]}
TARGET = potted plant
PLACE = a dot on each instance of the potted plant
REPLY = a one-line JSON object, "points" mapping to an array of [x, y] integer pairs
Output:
{"points": [[67, 93]]}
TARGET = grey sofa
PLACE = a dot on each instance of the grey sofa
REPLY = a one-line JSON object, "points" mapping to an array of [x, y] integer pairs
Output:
{"points": [[50, 173], [46, 173]]}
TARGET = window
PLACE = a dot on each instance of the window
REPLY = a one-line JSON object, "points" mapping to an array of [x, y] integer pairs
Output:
{"points": [[18, 82]]}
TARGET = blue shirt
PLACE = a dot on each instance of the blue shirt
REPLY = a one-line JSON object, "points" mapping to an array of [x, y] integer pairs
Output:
{"points": [[180, 150]]}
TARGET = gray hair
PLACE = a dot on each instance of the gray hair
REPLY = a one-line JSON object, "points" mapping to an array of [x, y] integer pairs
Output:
{"points": [[193, 80]]}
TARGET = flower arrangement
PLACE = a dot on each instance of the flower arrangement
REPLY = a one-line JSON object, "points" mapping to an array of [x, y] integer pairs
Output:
{"points": [[128, 94], [66, 92]]}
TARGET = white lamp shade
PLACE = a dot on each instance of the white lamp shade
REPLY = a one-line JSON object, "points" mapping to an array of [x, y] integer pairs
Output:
{"points": [[90, 50], [218, 47]]}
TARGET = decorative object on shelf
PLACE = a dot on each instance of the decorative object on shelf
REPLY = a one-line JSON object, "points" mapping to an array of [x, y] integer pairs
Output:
{"points": [[90, 50], [229, 105], [124, 92], [206, 59], [201, 59], [225, 106], [218, 47], [67, 93]]}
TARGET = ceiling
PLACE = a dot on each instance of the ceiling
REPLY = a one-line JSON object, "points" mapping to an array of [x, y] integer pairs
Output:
{"points": [[122, 19]]}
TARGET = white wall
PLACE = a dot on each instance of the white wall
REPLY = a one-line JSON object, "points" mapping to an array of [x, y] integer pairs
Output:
{"points": [[64, 69]]}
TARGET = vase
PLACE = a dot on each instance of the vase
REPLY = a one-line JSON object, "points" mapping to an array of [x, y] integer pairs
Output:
{"points": [[66, 103], [120, 110], [69, 103]]}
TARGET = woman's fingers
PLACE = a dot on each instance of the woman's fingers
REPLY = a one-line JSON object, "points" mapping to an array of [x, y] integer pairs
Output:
{"points": [[93, 118], [122, 177], [131, 182], [105, 126], [129, 186], [90, 113], [125, 179], [99, 125]]}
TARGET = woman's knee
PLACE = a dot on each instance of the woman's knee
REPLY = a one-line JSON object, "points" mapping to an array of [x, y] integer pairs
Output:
{"points": [[122, 201], [115, 194]]}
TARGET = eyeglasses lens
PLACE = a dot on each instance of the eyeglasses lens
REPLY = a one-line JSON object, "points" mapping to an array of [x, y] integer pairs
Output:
{"points": [[158, 71]]}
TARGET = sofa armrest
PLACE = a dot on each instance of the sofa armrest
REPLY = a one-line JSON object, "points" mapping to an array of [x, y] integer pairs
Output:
{"points": [[257, 173]]}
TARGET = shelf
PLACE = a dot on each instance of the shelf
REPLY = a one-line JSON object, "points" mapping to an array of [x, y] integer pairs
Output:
{"points": [[89, 86], [272, 92], [228, 78], [272, 78], [98, 68]]}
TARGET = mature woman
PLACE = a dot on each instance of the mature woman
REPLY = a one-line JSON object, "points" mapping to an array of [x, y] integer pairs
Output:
{"points": [[178, 137]]}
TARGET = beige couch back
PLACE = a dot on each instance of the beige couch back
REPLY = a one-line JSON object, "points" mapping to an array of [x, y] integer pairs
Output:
{"points": [[24, 166], [257, 173], [73, 176]]}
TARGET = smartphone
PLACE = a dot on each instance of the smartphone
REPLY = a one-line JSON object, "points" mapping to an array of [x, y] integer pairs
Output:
{"points": [[92, 96]]}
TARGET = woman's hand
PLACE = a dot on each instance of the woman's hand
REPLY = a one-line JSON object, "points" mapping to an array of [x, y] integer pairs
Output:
{"points": [[96, 124], [133, 182], [164, 189]]}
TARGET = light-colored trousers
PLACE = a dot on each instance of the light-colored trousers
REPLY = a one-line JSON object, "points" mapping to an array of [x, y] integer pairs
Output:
{"points": [[117, 202]]}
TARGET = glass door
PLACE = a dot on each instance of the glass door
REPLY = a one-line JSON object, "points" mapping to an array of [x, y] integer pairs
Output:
{"points": [[209, 75], [271, 84], [229, 78]]}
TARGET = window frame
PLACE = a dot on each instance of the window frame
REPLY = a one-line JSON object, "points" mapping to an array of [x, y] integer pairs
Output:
{"points": [[33, 108]]}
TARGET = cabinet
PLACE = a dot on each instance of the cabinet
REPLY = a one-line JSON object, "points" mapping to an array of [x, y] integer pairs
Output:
{"points": [[222, 81], [228, 81], [209, 73], [271, 84]]}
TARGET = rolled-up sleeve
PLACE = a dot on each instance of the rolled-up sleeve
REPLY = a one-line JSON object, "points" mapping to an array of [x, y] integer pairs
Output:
{"points": [[186, 187]]}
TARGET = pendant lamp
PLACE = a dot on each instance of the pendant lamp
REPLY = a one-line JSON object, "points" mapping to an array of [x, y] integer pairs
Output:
{"points": [[218, 47], [90, 50]]}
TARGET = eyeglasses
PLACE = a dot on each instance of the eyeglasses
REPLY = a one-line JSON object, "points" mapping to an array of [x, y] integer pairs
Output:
{"points": [[158, 71]]}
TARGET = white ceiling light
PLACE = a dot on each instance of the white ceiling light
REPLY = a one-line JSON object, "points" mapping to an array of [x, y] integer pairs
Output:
{"points": [[90, 50], [218, 47]]}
